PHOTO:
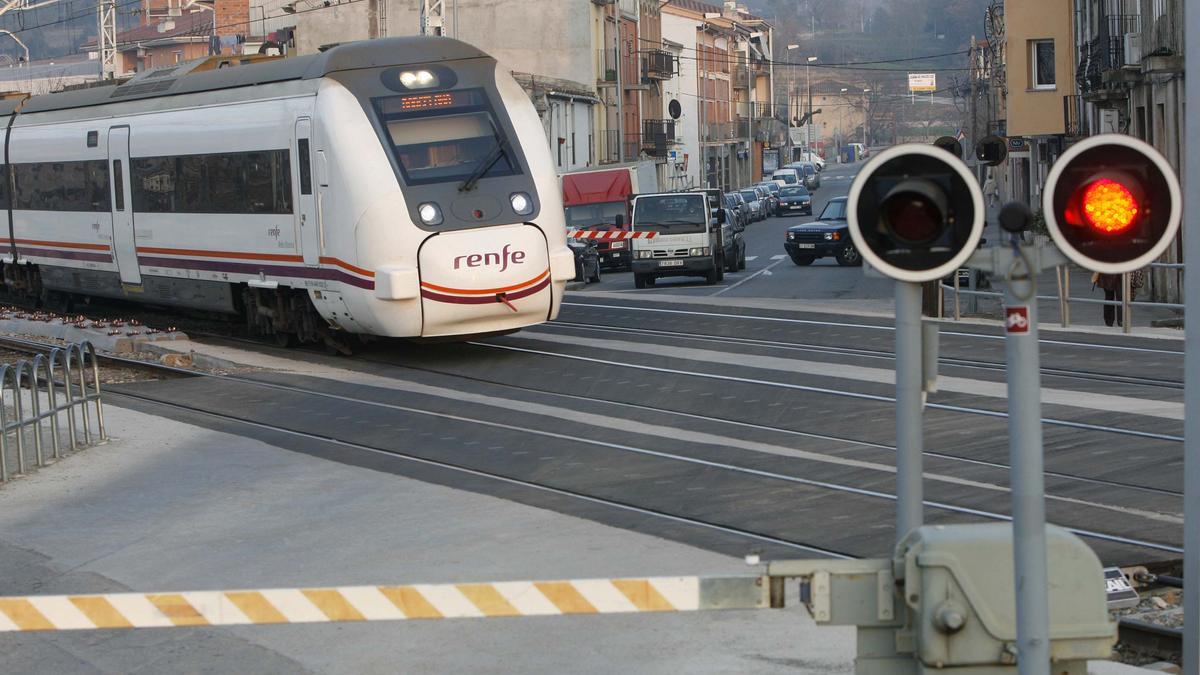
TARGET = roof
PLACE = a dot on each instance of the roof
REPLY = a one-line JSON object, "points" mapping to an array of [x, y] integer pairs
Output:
{"points": [[191, 25], [175, 80], [704, 8]]}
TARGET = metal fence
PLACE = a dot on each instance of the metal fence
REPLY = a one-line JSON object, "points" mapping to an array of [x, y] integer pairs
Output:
{"points": [[33, 395], [1063, 298]]}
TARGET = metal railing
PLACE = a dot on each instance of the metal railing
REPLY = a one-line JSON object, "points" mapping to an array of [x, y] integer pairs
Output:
{"points": [[60, 380], [1062, 275], [659, 64]]}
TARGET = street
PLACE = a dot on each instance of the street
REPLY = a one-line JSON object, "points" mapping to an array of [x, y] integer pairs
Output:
{"points": [[769, 273]]}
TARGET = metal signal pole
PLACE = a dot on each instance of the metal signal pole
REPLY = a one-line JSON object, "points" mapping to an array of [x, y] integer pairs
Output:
{"points": [[1191, 369]]}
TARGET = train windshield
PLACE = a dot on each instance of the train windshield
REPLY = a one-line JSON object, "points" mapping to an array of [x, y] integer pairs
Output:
{"points": [[446, 136]]}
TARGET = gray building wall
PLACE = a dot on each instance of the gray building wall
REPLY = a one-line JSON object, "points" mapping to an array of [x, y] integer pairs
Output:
{"points": [[552, 38]]}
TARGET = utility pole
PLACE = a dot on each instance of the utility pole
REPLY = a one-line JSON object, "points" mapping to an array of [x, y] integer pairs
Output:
{"points": [[106, 37], [620, 96], [433, 18], [1191, 240]]}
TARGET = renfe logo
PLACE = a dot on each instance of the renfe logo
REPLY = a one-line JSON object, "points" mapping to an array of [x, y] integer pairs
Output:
{"points": [[503, 258]]}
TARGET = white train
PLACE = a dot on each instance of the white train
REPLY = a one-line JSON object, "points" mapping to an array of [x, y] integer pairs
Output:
{"points": [[392, 187]]}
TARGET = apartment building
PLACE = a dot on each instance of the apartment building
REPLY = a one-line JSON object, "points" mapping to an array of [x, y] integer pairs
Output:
{"points": [[1130, 59], [724, 92], [1039, 87]]}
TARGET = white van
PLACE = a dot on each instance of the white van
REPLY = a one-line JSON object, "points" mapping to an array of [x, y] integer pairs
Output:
{"points": [[788, 176]]}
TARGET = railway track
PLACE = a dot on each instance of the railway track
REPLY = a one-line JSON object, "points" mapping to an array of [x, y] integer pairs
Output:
{"points": [[766, 478], [991, 366]]}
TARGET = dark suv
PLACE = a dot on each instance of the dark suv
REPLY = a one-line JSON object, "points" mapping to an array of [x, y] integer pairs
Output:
{"points": [[827, 236]]}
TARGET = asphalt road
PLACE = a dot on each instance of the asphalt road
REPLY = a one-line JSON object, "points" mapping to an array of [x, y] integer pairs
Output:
{"points": [[769, 273]]}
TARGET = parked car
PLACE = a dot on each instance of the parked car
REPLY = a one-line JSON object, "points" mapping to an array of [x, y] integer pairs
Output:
{"points": [[828, 235], [773, 188], [741, 210], [735, 244], [817, 160], [811, 178], [795, 199], [789, 176], [767, 199], [756, 206], [587, 260]]}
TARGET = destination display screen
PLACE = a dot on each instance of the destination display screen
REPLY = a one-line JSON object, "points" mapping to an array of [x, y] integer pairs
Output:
{"points": [[431, 101]]}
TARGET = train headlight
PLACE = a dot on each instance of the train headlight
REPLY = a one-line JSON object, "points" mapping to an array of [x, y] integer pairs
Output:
{"points": [[431, 214], [521, 203], [418, 79]]}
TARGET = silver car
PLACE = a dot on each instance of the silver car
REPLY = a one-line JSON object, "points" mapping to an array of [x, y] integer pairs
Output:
{"points": [[757, 212]]}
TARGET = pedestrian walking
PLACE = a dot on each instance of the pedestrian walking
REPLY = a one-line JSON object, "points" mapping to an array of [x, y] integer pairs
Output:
{"points": [[1113, 291], [991, 189], [1111, 285]]}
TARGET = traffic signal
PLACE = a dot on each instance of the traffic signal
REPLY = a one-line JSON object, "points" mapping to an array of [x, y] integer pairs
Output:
{"points": [[991, 150], [951, 145], [915, 213], [1112, 203]]}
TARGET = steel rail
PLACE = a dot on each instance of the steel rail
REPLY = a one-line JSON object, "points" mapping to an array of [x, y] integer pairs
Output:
{"points": [[869, 326], [995, 366]]}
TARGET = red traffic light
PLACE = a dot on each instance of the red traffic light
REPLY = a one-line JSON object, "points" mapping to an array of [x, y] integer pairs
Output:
{"points": [[1108, 206], [1112, 203]]}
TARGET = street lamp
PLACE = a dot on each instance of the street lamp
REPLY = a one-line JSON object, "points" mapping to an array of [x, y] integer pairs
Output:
{"points": [[866, 117], [791, 93], [841, 134], [808, 75]]}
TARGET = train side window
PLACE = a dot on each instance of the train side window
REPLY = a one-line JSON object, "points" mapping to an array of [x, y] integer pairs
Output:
{"points": [[4, 186], [190, 192], [268, 182], [118, 185], [62, 186], [153, 184], [305, 166], [226, 181]]}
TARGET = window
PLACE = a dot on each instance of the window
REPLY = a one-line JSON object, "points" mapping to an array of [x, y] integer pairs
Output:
{"points": [[305, 166], [178, 57], [62, 186], [1041, 64], [237, 182], [118, 185], [445, 137]]}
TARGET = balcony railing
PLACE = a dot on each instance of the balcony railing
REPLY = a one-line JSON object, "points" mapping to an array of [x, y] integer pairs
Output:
{"points": [[657, 136], [1075, 123], [659, 64], [1118, 33], [719, 131]]}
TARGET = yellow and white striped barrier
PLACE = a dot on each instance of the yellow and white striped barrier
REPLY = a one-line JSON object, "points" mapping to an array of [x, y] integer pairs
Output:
{"points": [[380, 603]]}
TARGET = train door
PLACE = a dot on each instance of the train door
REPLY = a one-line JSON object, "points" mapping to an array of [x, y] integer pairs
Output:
{"points": [[306, 203], [124, 240]]}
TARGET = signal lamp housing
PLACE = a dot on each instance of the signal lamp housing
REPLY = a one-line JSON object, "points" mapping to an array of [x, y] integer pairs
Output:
{"points": [[915, 213], [1112, 203]]}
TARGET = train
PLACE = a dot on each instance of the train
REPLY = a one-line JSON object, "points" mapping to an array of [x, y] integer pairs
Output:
{"points": [[395, 187]]}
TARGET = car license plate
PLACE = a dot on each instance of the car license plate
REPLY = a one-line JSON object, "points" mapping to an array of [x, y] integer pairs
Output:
{"points": [[806, 245], [795, 206], [670, 263]]}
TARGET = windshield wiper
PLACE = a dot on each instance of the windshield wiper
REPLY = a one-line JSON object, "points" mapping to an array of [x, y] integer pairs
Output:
{"points": [[486, 165]]}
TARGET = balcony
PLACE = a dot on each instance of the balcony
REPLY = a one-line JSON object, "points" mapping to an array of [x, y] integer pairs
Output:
{"points": [[658, 64], [718, 132], [657, 136]]}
